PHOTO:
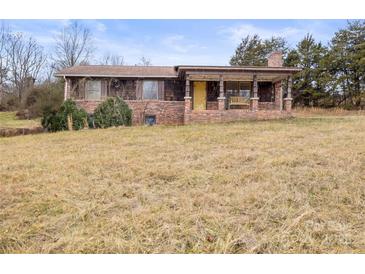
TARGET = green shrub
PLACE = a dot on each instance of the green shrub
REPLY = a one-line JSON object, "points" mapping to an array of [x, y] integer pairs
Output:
{"points": [[41, 98], [54, 121], [57, 120], [112, 112]]}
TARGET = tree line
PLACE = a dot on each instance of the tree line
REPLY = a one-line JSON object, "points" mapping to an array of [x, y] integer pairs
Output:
{"points": [[332, 75], [23, 60]]}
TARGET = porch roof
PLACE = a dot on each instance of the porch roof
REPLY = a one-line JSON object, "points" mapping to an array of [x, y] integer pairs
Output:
{"points": [[235, 73], [237, 68]]}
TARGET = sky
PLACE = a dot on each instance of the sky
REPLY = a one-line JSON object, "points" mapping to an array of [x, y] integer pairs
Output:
{"points": [[176, 42]]}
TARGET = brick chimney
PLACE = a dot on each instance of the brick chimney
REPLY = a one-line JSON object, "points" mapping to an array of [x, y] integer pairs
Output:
{"points": [[275, 59]]}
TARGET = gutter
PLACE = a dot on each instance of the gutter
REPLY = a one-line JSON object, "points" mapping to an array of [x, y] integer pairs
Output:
{"points": [[111, 76]]}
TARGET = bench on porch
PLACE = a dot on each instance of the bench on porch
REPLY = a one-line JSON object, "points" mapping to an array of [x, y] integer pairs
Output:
{"points": [[239, 101]]}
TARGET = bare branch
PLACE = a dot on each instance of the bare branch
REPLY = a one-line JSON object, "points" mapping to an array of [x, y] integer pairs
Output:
{"points": [[4, 57], [110, 59], [25, 61], [144, 61], [73, 46]]}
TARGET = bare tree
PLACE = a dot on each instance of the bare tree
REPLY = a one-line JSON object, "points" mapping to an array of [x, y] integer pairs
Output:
{"points": [[48, 71], [25, 59], [144, 61], [73, 46], [110, 59], [4, 58]]}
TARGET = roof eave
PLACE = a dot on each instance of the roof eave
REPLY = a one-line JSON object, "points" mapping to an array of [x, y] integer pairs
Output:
{"points": [[110, 75], [268, 69]]}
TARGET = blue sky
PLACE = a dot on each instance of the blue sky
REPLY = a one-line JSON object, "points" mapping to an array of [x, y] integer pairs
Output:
{"points": [[173, 42]]}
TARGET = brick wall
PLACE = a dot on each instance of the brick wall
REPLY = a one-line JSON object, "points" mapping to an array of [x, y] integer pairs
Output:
{"points": [[167, 112], [278, 95], [266, 105], [212, 104], [173, 112], [213, 116], [89, 106], [275, 59]]}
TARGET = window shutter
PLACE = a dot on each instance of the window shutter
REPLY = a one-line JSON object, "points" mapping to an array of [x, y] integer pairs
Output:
{"points": [[161, 90], [104, 89], [82, 88], [139, 86]]}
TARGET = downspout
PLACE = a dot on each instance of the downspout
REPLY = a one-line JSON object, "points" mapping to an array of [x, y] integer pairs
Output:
{"points": [[65, 89]]}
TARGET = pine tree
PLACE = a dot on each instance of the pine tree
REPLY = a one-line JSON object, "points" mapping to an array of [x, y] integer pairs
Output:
{"points": [[253, 51], [307, 85], [345, 63]]}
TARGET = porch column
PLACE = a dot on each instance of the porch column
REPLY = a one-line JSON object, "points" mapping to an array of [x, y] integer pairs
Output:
{"points": [[67, 88], [187, 99], [221, 98], [288, 100], [254, 101], [187, 88]]}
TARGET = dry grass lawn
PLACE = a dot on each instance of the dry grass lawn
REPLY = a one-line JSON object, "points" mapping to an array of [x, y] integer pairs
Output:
{"points": [[250, 187], [9, 120]]}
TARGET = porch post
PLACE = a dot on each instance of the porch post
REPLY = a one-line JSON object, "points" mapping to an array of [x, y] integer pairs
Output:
{"points": [[67, 88], [288, 100], [255, 99], [221, 98], [187, 98], [187, 88]]}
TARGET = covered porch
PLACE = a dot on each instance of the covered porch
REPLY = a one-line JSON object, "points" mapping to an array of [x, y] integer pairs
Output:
{"points": [[205, 91]]}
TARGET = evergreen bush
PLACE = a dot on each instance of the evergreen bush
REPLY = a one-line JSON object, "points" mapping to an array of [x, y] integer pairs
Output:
{"points": [[57, 120], [112, 112]]}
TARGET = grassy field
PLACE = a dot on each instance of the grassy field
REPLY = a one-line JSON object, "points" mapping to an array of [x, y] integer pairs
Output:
{"points": [[9, 120], [250, 187]]}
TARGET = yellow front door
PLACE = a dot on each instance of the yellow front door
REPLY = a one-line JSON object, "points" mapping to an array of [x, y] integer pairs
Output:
{"points": [[200, 96]]}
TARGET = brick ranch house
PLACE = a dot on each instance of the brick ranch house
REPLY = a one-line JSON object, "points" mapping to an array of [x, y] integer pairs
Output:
{"points": [[186, 94]]}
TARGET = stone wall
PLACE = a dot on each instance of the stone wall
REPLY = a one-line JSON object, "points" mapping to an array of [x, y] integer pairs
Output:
{"points": [[8, 132], [214, 116], [167, 112]]}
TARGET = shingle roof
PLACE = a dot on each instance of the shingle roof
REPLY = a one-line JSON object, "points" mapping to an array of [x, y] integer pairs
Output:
{"points": [[120, 71], [159, 71]]}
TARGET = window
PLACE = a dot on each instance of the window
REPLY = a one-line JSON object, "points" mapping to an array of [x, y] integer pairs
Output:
{"points": [[150, 90], [93, 90], [235, 88], [212, 91], [265, 92], [231, 88], [174, 90], [150, 120], [245, 89]]}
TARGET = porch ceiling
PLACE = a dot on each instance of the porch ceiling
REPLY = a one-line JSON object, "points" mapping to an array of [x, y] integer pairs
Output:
{"points": [[232, 76]]}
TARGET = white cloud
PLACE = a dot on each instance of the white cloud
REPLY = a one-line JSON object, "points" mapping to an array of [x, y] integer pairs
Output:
{"points": [[236, 33], [176, 42], [100, 27], [65, 22], [292, 34], [128, 48], [180, 44]]}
